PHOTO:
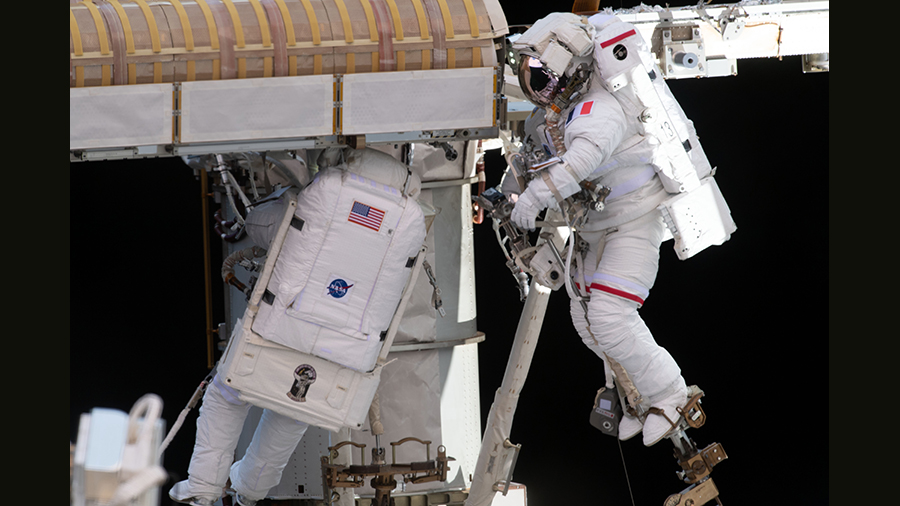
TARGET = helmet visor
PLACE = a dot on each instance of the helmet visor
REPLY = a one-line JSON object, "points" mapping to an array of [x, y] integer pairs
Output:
{"points": [[538, 84]]}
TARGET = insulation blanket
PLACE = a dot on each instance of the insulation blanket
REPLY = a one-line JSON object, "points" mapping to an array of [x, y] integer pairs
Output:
{"points": [[342, 269]]}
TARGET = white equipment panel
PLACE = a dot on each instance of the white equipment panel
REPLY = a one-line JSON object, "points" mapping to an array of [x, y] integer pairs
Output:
{"points": [[243, 109], [114, 116], [283, 113], [418, 100]]}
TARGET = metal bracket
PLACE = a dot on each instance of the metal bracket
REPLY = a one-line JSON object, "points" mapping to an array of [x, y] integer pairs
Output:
{"points": [[695, 495], [338, 104], [352, 141], [815, 63], [337, 476], [503, 485], [682, 53], [731, 23]]}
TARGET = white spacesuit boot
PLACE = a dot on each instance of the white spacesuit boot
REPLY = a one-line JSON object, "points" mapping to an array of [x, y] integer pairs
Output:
{"points": [[219, 426], [656, 427], [629, 427], [241, 500]]}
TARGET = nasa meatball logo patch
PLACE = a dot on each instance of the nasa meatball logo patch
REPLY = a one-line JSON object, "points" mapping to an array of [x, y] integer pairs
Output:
{"points": [[338, 288], [620, 52]]}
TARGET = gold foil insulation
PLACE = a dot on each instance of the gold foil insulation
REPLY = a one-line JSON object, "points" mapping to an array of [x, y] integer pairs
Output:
{"points": [[135, 42]]}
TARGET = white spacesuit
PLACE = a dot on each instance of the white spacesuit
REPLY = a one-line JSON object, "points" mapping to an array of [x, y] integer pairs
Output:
{"points": [[328, 216], [604, 142], [219, 427]]}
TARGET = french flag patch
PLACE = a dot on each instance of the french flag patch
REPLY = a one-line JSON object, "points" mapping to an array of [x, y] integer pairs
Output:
{"points": [[583, 109]]}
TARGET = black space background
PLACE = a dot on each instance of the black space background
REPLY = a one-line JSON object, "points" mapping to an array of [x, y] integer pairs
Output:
{"points": [[747, 321]]}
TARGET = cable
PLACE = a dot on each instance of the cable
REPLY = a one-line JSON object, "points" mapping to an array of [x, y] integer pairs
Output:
{"points": [[625, 468], [191, 403]]}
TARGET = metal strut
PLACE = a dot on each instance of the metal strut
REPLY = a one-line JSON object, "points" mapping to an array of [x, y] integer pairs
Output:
{"points": [[493, 469]]}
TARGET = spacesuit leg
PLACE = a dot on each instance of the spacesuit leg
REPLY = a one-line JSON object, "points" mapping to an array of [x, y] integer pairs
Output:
{"points": [[628, 261], [219, 426], [273, 443], [629, 426]]}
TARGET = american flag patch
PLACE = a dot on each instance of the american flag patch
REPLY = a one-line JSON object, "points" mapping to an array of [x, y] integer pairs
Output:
{"points": [[366, 216], [580, 110]]}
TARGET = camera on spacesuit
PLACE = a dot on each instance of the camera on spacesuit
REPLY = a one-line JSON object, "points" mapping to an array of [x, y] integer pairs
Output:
{"points": [[607, 412], [495, 204]]}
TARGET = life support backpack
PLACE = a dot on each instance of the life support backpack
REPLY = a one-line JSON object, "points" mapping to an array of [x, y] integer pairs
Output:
{"points": [[697, 216], [344, 263], [628, 72]]}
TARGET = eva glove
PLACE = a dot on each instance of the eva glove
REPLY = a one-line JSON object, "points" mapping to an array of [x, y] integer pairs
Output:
{"points": [[535, 198]]}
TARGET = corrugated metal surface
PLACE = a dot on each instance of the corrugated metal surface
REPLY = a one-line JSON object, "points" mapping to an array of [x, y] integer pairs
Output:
{"points": [[132, 42]]}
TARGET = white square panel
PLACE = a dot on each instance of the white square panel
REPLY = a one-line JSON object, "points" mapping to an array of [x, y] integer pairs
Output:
{"points": [[120, 116], [266, 108], [418, 100]]}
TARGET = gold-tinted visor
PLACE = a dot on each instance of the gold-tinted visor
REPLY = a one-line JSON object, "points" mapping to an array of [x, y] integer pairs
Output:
{"points": [[539, 84]]}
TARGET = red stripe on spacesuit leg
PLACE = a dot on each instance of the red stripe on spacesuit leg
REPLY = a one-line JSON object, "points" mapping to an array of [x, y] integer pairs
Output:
{"points": [[614, 291], [616, 39]]}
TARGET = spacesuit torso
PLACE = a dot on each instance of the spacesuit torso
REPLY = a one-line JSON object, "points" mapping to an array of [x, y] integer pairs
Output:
{"points": [[598, 123]]}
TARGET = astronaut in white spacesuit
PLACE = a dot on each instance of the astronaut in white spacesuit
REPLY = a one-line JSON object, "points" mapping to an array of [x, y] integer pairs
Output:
{"points": [[603, 143], [224, 410]]}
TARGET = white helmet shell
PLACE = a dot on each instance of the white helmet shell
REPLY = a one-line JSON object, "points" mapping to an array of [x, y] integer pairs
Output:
{"points": [[549, 51]]}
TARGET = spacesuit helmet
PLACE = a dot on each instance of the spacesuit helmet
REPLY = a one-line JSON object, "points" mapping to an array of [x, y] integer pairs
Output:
{"points": [[549, 52], [539, 84]]}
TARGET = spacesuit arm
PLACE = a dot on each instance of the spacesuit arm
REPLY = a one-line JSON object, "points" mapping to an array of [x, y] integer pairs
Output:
{"points": [[597, 126], [590, 141], [559, 181], [578, 163]]}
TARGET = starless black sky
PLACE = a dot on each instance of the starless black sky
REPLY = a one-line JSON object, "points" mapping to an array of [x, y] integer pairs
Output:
{"points": [[746, 321]]}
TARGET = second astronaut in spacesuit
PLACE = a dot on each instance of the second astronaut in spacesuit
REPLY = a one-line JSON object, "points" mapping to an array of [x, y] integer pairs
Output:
{"points": [[600, 138], [336, 280]]}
